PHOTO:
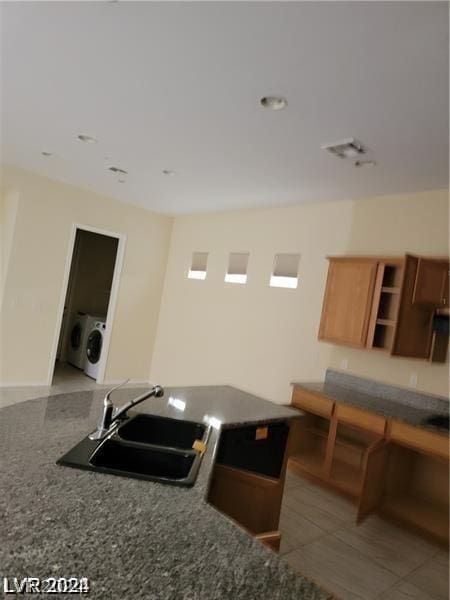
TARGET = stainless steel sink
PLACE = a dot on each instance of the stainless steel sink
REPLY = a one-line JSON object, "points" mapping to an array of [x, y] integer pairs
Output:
{"points": [[144, 447]]}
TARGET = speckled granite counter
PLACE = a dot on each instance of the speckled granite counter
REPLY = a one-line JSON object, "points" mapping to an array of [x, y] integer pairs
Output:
{"points": [[133, 539], [390, 401]]}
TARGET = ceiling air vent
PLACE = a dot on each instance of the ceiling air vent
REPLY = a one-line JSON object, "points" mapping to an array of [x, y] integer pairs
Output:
{"points": [[118, 171], [348, 148]]}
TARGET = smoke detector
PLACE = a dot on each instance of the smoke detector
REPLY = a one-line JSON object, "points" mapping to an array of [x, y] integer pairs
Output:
{"points": [[347, 148]]}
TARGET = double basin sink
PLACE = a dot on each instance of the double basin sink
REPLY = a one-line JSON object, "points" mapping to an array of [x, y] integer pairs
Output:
{"points": [[145, 447]]}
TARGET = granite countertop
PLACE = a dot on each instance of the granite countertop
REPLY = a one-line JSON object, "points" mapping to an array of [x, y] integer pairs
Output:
{"points": [[131, 538], [391, 402]]}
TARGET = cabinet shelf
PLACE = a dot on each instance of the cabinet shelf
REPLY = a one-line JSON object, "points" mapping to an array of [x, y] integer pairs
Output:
{"points": [[386, 289], [431, 516], [317, 431], [347, 477], [386, 322], [310, 461]]}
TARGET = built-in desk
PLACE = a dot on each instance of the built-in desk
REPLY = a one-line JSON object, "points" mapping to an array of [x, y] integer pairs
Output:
{"points": [[384, 456]]}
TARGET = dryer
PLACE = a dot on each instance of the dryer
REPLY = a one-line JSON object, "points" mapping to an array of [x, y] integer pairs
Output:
{"points": [[94, 345]]}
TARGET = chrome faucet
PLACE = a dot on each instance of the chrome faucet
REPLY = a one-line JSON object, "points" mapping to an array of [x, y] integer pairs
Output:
{"points": [[112, 415]]}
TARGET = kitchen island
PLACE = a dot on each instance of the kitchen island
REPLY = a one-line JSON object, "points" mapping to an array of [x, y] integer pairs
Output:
{"points": [[130, 538]]}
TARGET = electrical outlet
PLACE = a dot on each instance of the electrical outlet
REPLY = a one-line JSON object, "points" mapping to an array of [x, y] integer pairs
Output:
{"points": [[413, 380], [344, 363]]}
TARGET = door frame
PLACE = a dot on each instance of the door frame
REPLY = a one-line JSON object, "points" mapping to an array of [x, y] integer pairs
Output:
{"points": [[121, 237]]}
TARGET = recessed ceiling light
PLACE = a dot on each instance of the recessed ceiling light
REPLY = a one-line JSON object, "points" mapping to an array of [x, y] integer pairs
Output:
{"points": [[167, 172], [87, 139], [273, 102], [365, 163], [47, 154]]}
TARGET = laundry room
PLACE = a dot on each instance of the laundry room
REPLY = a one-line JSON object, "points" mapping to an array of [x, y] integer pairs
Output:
{"points": [[82, 334]]}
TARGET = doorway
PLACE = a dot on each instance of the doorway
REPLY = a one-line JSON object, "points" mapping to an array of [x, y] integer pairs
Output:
{"points": [[91, 284]]}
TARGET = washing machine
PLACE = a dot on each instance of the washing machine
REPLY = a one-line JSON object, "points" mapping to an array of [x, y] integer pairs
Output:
{"points": [[94, 345], [76, 344], [82, 324]]}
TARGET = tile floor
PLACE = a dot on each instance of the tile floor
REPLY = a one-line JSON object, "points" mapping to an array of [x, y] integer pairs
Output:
{"points": [[374, 560], [66, 379]]}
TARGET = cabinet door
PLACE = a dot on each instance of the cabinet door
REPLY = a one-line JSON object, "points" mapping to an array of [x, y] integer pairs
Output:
{"points": [[348, 301], [252, 500], [414, 327], [431, 283], [372, 483]]}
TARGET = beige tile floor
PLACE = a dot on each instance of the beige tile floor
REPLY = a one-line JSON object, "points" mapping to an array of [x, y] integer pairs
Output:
{"points": [[373, 560], [66, 379]]}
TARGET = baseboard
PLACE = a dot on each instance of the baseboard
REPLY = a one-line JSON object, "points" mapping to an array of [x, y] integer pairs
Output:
{"points": [[8, 384]]}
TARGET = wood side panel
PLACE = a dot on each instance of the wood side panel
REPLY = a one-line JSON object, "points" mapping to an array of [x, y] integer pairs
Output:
{"points": [[375, 305], [348, 301], [413, 331], [372, 484]]}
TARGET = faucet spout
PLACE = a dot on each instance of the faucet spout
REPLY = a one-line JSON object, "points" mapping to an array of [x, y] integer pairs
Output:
{"points": [[111, 415]]}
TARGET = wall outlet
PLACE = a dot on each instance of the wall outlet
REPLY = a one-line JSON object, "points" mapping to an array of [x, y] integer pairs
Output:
{"points": [[413, 380], [344, 363]]}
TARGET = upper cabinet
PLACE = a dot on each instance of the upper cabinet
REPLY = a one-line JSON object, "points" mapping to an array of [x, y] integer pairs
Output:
{"points": [[348, 297], [385, 304], [431, 283]]}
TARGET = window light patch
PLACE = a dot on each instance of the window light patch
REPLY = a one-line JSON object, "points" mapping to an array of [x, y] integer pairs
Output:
{"points": [[198, 265], [285, 271], [237, 267]]}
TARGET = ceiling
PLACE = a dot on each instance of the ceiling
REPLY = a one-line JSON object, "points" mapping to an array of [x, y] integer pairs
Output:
{"points": [[176, 85]]}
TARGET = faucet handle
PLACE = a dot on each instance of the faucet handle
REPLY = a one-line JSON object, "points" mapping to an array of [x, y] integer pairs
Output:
{"points": [[116, 387]]}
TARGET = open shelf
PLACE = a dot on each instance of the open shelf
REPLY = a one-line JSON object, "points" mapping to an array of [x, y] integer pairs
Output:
{"points": [[416, 490], [351, 446], [309, 453], [386, 322], [428, 514], [392, 276], [310, 461], [346, 476], [383, 337]]}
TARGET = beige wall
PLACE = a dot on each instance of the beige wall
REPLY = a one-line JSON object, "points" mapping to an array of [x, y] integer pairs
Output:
{"points": [[9, 201], [260, 338], [46, 213]]}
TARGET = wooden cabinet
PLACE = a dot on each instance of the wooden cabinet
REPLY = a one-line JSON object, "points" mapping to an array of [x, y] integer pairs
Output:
{"points": [[248, 478], [387, 466], [385, 304], [347, 301], [431, 283]]}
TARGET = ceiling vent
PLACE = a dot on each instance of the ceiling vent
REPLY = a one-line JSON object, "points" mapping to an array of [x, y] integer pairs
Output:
{"points": [[348, 148]]}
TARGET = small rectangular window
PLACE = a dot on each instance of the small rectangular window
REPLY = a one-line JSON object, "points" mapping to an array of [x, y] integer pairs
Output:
{"points": [[198, 265], [237, 267], [285, 271]]}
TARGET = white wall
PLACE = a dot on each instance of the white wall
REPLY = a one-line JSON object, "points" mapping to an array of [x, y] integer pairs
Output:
{"points": [[33, 290], [260, 338]]}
